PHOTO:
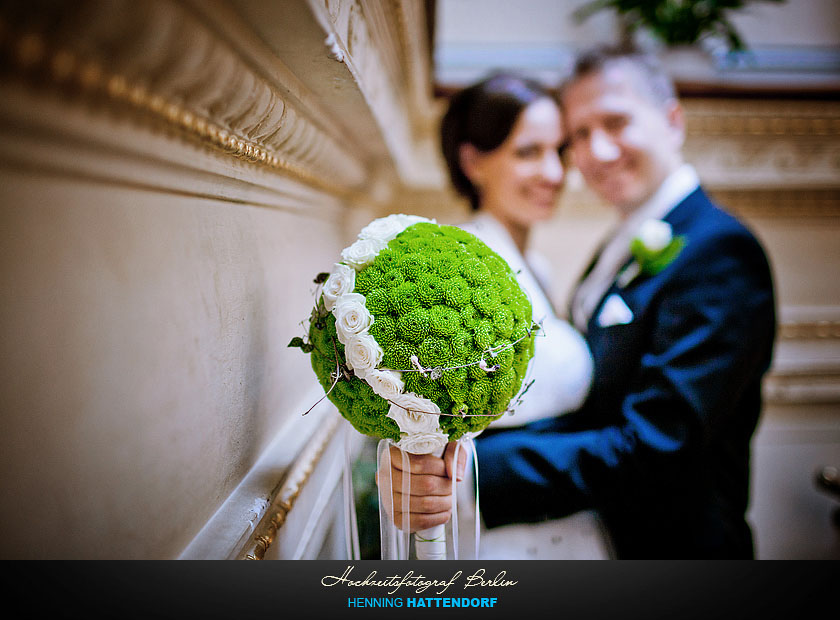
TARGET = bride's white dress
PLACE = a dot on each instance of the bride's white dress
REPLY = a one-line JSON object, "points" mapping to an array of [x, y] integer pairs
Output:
{"points": [[562, 374]]}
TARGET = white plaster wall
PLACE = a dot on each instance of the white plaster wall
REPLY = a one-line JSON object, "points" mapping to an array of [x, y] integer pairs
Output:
{"points": [[144, 358], [791, 518]]}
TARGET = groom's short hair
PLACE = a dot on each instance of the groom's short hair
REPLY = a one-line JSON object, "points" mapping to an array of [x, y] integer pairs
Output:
{"points": [[652, 78]]}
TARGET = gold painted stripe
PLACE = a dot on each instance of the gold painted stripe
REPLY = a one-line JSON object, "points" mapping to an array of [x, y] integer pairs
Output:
{"points": [[297, 477]]}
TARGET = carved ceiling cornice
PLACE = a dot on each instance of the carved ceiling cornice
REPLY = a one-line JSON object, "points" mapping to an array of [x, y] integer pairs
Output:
{"points": [[161, 60], [384, 46], [205, 68]]}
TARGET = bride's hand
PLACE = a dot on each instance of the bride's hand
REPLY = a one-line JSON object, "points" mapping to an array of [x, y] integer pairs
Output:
{"points": [[430, 493]]}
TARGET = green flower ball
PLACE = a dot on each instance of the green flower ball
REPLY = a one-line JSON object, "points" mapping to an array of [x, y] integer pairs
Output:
{"points": [[441, 296]]}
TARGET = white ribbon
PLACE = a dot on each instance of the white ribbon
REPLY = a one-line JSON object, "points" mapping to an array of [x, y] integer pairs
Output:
{"points": [[351, 528], [393, 541], [477, 514]]}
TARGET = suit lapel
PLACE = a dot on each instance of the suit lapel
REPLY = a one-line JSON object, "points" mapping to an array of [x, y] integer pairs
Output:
{"points": [[678, 218]]}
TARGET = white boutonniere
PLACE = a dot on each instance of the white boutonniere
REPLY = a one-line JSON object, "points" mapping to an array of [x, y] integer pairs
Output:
{"points": [[654, 247]]}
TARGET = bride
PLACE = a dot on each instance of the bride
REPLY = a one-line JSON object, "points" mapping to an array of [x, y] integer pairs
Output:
{"points": [[502, 139]]}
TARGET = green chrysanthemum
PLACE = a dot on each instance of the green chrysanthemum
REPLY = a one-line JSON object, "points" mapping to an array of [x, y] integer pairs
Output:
{"points": [[414, 326], [398, 356], [440, 301], [443, 321], [369, 280], [445, 264], [384, 329], [404, 298], [456, 292], [378, 302]]}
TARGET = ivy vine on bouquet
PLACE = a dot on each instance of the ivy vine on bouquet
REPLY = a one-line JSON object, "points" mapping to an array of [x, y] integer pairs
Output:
{"points": [[421, 334]]}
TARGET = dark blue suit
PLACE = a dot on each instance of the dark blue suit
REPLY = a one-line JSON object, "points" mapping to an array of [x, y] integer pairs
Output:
{"points": [[661, 447]]}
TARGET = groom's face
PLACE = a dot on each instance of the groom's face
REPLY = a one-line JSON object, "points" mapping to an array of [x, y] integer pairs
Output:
{"points": [[624, 142]]}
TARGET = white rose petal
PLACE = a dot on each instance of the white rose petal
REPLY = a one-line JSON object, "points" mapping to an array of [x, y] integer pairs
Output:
{"points": [[362, 353], [423, 443], [351, 316], [410, 220], [386, 383], [341, 281], [362, 252], [384, 229], [655, 235], [415, 414]]}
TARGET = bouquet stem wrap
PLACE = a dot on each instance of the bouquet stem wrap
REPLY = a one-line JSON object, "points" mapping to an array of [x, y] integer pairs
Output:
{"points": [[436, 543]]}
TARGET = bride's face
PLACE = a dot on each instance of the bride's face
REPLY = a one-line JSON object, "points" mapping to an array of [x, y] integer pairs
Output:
{"points": [[520, 181]]}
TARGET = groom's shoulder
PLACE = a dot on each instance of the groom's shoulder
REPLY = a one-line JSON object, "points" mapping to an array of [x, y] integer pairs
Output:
{"points": [[711, 221], [715, 236]]}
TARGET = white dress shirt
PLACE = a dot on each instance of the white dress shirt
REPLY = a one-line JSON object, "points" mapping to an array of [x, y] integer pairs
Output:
{"points": [[674, 189]]}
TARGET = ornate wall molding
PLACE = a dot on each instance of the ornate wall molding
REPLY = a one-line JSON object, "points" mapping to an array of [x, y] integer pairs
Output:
{"points": [[806, 368], [163, 61], [781, 202], [806, 387], [743, 144], [278, 509], [737, 117], [286, 495], [811, 330], [383, 45], [415, 46]]}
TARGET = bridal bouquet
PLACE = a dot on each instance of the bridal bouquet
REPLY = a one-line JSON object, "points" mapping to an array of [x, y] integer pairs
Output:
{"points": [[420, 335]]}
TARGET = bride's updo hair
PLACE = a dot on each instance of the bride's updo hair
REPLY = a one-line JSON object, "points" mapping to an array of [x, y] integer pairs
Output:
{"points": [[484, 115]]}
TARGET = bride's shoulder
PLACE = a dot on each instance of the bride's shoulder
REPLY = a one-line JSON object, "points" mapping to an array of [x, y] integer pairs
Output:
{"points": [[558, 330]]}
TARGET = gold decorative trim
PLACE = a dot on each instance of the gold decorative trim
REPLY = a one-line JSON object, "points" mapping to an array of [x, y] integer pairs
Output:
{"points": [[781, 202], [800, 375], [767, 118], [290, 489], [816, 330], [737, 125], [229, 108], [767, 144], [802, 389]]}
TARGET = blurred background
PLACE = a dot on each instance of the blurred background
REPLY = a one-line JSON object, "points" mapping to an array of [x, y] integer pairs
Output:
{"points": [[175, 173]]}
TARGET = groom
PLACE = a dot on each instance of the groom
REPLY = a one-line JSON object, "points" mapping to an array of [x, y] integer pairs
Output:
{"points": [[661, 447]]}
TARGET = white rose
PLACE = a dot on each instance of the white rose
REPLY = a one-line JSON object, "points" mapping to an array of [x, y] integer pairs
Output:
{"points": [[415, 414], [341, 281], [362, 353], [351, 316], [410, 220], [423, 443], [655, 235], [387, 383], [384, 229], [362, 252]]}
